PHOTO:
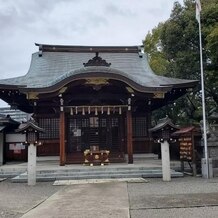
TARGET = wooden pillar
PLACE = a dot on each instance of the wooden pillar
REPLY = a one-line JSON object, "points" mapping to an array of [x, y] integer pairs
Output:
{"points": [[122, 133], [129, 137], [62, 139], [149, 143]]}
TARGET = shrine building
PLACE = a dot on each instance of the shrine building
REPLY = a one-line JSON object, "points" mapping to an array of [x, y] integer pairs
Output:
{"points": [[85, 96]]}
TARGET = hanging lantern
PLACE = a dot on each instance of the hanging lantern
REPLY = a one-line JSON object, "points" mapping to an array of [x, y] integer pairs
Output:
{"points": [[89, 110], [96, 111], [129, 104], [108, 111], [61, 104], [71, 111], [120, 110], [114, 110], [102, 110], [76, 110], [83, 111]]}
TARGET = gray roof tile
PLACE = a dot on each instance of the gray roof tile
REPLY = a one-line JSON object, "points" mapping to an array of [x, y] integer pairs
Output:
{"points": [[52, 67]]}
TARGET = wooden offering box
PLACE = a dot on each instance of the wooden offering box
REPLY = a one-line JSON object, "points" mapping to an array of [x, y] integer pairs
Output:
{"points": [[95, 156]]}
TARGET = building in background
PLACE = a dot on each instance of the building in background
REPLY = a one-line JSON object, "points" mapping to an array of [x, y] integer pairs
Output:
{"points": [[16, 115]]}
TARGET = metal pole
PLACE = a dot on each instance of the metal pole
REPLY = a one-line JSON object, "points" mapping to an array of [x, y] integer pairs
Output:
{"points": [[203, 102]]}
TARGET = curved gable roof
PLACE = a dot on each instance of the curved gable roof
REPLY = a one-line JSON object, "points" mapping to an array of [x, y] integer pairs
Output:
{"points": [[50, 66]]}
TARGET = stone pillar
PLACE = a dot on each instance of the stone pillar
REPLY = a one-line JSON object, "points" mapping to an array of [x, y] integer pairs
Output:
{"points": [[165, 154], [207, 170], [1, 149], [31, 164]]}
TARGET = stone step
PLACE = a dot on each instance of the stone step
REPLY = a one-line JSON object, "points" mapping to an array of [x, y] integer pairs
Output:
{"points": [[10, 173], [98, 170], [96, 173], [52, 176], [144, 157]]}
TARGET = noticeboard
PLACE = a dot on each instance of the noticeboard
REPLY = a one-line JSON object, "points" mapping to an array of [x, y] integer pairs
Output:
{"points": [[186, 148]]}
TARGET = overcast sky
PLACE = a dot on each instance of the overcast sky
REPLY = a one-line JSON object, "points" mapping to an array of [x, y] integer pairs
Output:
{"points": [[72, 22]]}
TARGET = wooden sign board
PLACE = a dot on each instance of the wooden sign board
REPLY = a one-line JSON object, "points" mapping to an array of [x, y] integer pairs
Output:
{"points": [[186, 148]]}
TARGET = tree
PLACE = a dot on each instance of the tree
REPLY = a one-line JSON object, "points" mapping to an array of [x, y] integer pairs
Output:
{"points": [[157, 59], [173, 50]]}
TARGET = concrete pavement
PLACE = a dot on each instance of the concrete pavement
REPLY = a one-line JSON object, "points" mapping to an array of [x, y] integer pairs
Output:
{"points": [[18, 199], [192, 197], [182, 197], [106, 200]]}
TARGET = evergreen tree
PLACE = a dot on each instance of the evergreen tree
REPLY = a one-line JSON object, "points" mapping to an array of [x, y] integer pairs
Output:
{"points": [[173, 50]]}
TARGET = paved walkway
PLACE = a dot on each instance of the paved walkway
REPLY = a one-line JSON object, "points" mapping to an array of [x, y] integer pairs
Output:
{"points": [[182, 197], [108, 200]]}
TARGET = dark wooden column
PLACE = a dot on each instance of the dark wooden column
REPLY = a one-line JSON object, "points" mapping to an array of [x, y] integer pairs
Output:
{"points": [[122, 132], [62, 139], [129, 136], [148, 118]]}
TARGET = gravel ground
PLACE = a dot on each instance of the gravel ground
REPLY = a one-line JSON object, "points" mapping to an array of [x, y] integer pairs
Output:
{"points": [[182, 197], [18, 198]]}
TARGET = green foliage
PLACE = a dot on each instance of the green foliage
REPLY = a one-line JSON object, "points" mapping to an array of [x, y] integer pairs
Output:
{"points": [[153, 47], [173, 49]]}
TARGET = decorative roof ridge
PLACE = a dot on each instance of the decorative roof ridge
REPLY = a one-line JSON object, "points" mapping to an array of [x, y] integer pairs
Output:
{"points": [[78, 48], [97, 61]]}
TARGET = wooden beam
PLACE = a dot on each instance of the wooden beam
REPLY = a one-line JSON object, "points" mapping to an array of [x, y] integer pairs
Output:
{"points": [[129, 137], [62, 139], [90, 96]]}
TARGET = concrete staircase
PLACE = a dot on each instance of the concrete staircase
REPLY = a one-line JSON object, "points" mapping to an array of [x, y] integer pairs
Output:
{"points": [[96, 172], [143, 158], [10, 173], [48, 169]]}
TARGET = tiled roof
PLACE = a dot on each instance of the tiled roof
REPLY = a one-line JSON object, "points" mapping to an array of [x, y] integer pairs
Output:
{"points": [[16, 115], [163, 123], [52, 67], [29, 125]]}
